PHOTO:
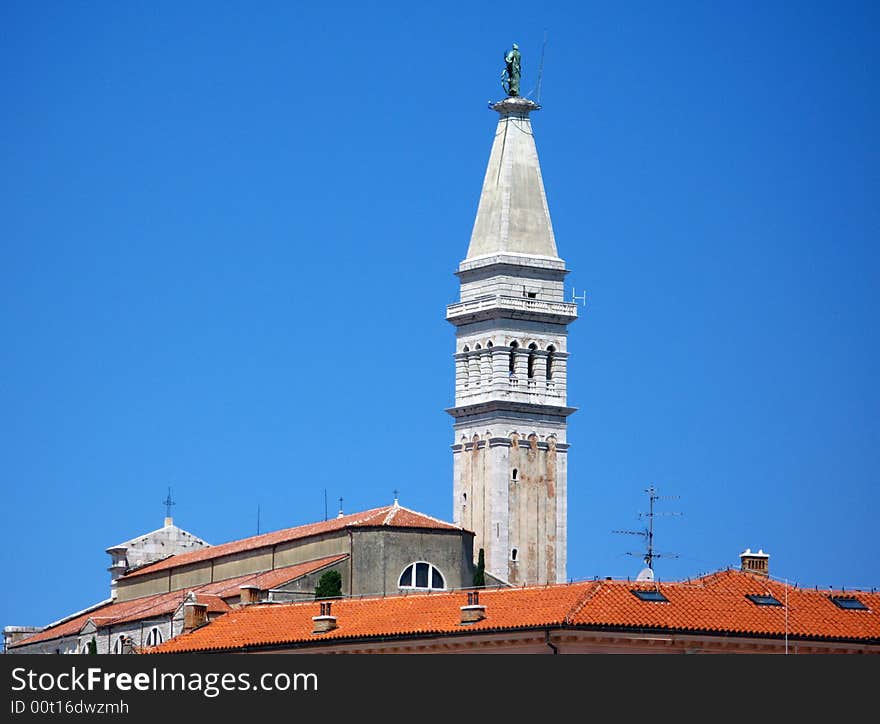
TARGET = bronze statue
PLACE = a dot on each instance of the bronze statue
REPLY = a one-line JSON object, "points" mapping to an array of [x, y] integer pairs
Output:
{"points": [[511, 73]]}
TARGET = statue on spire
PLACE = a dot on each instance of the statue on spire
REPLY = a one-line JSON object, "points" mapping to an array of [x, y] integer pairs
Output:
{"points": [[511, 73]]}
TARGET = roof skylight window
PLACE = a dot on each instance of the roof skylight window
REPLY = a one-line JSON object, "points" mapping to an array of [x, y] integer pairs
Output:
{"points": [[763, 600], [650, 595], [850, 603]]}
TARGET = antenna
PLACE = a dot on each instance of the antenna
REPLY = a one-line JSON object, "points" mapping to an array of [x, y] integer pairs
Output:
{"points": [[541, 68], [168, 502], [537, 88], [582, 298], [648, 533], [258, 519], [325, 503]]}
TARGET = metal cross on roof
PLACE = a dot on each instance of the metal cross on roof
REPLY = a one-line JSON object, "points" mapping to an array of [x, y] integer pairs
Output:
{"points": [[168, 502]]}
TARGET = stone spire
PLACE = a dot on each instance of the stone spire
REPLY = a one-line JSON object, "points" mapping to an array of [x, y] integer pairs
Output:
{"points": [[513, 216]]}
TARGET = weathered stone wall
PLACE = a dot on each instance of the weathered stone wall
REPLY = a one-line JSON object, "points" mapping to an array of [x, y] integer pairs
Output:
{"points": [[509, 488]]}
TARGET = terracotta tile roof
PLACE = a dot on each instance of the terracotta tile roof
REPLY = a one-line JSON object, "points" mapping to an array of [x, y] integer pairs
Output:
{"points": [[166, 603], [714, 604], [390, 515], [394, 615], [718, 603]]}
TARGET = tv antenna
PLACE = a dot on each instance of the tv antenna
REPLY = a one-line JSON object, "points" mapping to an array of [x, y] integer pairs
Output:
{"points": [[582, 298], [648, 533]]}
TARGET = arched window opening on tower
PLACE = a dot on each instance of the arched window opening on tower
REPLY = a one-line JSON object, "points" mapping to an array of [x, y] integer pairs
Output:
{"points": [[531, 363], [422, 575], [515, 473], [514, 346], [477, 362], [551, 351], [465, 372], [513, 554]]}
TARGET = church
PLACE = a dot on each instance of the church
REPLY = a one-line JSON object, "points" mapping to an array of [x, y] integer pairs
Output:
{"points": [[493, 579]]}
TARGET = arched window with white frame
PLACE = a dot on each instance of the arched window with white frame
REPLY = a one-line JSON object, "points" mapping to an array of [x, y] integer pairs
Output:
{"points": [[154, 638], [119, 644], [423, 576]]}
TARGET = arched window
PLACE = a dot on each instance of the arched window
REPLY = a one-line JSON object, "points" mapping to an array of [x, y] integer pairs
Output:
{"points": [[422, 575], [531, 364], [154, 638], [120, 643], [513, 554], [551, 351], [489, 344], [465, 371], [514, 346], [515, 473]]}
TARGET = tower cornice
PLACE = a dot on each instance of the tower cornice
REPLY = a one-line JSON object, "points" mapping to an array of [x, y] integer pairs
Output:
{"points": [[492, 406]]}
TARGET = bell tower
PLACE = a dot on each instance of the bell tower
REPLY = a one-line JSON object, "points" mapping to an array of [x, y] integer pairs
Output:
{"points": [[511, 359]]}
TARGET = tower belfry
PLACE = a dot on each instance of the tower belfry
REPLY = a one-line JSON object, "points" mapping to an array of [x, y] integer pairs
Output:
{"points": [[511, 357]]}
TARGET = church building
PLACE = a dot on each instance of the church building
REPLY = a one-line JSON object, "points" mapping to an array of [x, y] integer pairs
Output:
{"points": [[410, 582]]}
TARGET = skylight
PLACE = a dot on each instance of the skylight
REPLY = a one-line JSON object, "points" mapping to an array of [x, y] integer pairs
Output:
{"points": [[650, 595], [763, 600], [848, 602]]}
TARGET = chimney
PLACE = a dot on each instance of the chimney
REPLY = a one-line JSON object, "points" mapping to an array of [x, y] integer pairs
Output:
{"points": [[249, 594], [325, 621], [473, 611], [757, 563], [195, 614]]}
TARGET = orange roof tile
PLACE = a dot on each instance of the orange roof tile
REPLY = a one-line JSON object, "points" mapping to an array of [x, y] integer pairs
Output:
{"points": [[394, 615], [392, 515], [166, 603], [716, 603]]}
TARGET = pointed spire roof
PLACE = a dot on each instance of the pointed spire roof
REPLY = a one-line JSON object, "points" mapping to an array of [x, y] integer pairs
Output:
{"points": [[513, 217]]}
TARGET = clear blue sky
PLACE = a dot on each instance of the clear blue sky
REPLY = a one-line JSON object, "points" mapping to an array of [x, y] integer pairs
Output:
{"points": [[228, 234]]}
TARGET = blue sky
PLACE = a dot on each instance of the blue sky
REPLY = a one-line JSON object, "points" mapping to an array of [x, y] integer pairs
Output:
{"points": [[228, 236]]}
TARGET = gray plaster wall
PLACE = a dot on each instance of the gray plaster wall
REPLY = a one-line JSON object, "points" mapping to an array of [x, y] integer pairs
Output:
{"points": [[303, 589], [380, 556]]}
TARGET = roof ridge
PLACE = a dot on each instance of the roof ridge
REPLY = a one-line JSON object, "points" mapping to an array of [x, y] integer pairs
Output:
{"points": [[589, 594], [429, 517]]}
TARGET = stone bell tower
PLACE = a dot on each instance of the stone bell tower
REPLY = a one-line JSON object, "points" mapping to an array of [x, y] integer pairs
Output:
{"points": [[510, 448]]}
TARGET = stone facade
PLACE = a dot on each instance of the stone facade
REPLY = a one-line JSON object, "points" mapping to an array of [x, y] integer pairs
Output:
{"points": [[511, 360], [167, 541]]}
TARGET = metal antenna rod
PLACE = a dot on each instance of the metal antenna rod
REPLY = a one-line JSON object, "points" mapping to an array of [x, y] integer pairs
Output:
{"points": [[541, 69], [648, 533]]}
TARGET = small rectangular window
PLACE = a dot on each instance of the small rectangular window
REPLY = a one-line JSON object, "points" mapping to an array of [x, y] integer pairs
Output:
{"points": [[765, 600], [650, 595], [850, 603], [533, 295]]}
